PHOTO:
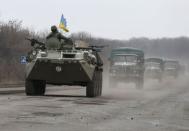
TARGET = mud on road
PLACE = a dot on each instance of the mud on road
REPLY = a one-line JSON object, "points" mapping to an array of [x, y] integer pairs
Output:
{"points": [[158, 107]]}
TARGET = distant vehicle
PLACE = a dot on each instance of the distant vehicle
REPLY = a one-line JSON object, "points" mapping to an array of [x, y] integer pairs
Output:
{"points": [[171, 68], [62, 65], [126, 65], [154, 68]]}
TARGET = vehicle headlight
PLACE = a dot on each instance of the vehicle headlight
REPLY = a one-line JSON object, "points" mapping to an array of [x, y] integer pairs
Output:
{"points": [[34, 53]]}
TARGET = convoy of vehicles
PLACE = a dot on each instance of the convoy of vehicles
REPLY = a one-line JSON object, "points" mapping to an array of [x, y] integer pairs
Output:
{"points": [[64, 63], [71, 65], [128, 65]]}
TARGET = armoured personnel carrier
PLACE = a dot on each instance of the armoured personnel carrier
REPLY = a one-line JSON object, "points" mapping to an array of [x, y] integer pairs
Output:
{"points": [[126, 65], [63, 63]]}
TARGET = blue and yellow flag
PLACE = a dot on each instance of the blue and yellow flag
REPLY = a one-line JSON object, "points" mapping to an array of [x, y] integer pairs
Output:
{"points": [[63, 24]]}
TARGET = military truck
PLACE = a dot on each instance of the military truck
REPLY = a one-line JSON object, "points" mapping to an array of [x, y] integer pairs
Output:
{"points": [[62, 63], [126, 65], [154, 68], [171, 68]]}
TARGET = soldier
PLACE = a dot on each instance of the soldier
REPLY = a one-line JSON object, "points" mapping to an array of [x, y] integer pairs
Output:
{"points": [[54, 33], [54, 40]]}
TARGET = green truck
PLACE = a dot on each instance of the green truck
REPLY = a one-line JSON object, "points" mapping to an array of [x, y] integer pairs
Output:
{"points": [[171, 68], [126, 65], [154, 68]]}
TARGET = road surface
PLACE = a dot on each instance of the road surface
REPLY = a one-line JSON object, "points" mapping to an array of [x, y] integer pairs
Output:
{"points": [[157, 107]]}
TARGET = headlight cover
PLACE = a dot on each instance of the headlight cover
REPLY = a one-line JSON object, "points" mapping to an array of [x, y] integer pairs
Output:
{"points": [[34, 53]]}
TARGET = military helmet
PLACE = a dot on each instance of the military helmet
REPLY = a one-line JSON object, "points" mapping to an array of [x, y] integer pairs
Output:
{"points": [[54, 28]]}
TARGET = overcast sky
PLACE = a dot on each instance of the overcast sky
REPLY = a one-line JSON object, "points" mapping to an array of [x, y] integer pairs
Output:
{"points": [[116, 19]]}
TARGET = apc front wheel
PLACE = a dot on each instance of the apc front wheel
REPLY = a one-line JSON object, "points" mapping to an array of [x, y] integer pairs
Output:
{"points": [[100, 83], [35, 87], [92, 86]]}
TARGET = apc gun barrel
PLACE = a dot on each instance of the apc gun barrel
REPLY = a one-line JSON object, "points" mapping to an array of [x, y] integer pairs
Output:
{"points": [[35, 41]]}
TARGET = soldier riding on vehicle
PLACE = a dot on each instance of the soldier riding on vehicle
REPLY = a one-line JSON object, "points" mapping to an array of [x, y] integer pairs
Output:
{"points": [[55, 40]]}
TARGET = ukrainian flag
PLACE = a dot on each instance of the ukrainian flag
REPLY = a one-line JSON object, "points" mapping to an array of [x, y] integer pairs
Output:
{"points": [[63, 24]]}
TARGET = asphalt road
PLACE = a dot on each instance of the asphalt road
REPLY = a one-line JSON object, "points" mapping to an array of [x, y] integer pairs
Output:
{"points": [[157, 107]]}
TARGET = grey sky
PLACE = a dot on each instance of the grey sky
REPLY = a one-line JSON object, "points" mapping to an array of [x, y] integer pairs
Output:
{"points": [[116, 19]]}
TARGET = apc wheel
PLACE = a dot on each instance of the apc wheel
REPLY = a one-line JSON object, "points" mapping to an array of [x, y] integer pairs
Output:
{"points": [[35, 87], [100, 83], [92, 86], [139, 83]]}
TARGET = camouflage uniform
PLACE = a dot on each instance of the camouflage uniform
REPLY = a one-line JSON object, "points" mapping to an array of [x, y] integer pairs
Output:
{"points": [[54, 40], [56, 34]]}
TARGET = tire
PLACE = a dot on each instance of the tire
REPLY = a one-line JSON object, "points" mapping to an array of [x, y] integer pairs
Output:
{"points": [[96, 84], [99, 86], [92, 86], [100, 83], [139, 83], [35, 87]]}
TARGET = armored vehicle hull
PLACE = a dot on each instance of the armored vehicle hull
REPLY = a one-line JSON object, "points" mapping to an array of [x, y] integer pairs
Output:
{"points": [[60, 72]]}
